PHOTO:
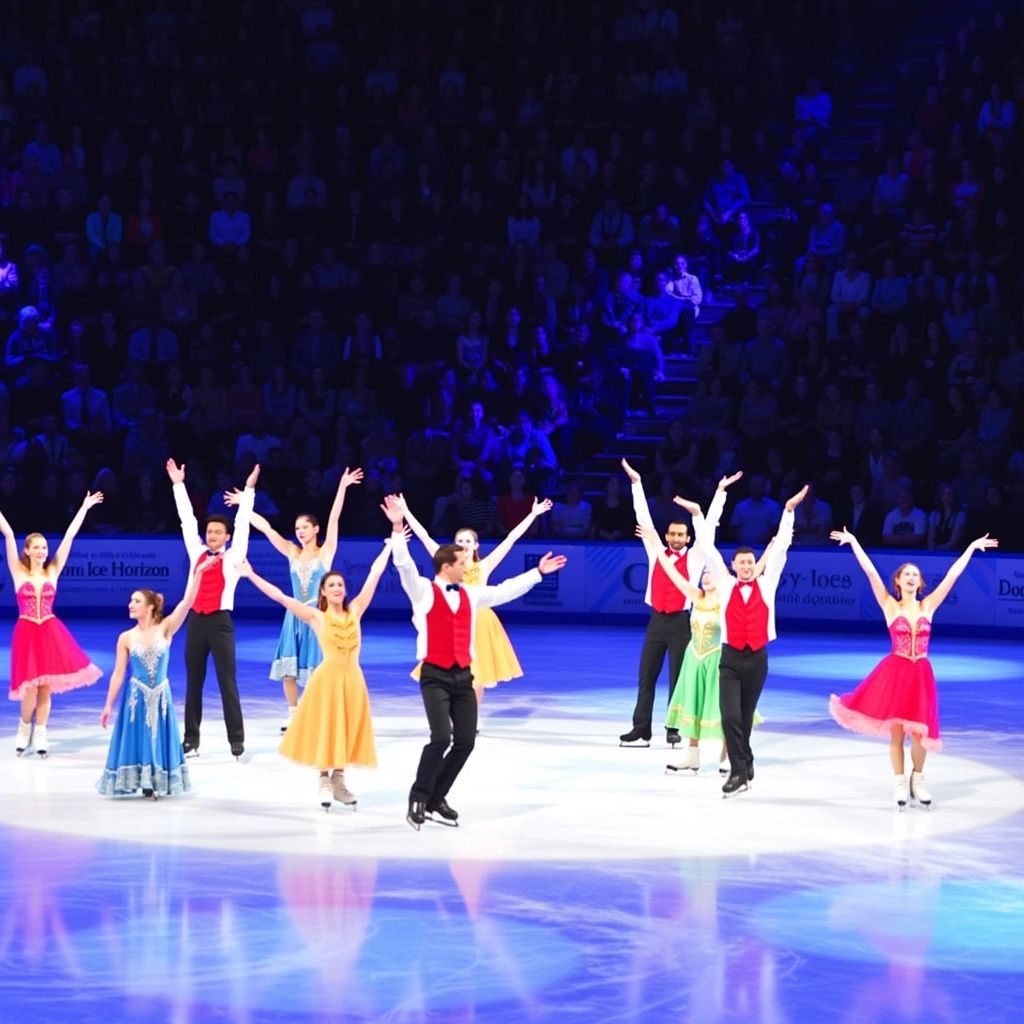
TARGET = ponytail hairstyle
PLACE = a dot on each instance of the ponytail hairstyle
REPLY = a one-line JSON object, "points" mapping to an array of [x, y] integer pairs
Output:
{"points": [[155, 601], [894, 584], [321, 599], [24, 552]]}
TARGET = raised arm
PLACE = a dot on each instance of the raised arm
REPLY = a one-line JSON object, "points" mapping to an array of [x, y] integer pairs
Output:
{"points": [[510, 589], [172, 623], [240, 538], [116, 677], [64, 548], [881, 595], [414, 585], [941, 592], [301, 611], [493, 559], [418, 529], [14, 565], [362, 600], [186, 516], [330, 545], [650, 536], [636, 489], [278, 542]]}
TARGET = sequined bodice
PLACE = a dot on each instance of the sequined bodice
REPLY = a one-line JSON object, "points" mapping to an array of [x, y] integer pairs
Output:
{"points": [[910, 641], [148, 662], [706, 626], [306, 577], [36, 603], [341, 637]]}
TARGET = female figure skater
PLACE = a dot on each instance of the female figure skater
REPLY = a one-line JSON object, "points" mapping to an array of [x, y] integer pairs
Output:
{"points": [[495, 660], [898, 698], [331, 728], [45, 659], [145, 746], [298, 651]]}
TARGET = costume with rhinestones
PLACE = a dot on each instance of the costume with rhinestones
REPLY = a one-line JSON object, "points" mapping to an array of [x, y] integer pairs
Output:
{"points": [[332, 726], [298, 650], [145, 745], [899, 691], [43, 652]]}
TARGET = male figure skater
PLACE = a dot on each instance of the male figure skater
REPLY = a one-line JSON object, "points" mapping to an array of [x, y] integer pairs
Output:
{"points": [[210, 627], [748, 625], [443, 612]]}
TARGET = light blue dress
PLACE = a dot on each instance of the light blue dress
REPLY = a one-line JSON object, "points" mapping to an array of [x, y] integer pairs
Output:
{"points": [[145, 745], [298, 650]]}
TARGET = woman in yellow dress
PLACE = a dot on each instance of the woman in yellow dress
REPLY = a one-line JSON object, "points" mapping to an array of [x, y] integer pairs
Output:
{"points": [[331, 728], [495, 659]]}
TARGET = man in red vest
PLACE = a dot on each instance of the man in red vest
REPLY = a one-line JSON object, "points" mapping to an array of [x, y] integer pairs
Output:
{"points": [[210, 627], [668, 629], [443, 612], [748, 624]]}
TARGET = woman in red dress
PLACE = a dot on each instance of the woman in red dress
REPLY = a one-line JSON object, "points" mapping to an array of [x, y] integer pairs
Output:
{"points": [[45, 658], [898, 698]]}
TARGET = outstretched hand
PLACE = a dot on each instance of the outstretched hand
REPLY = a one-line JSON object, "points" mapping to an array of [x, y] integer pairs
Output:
{"points": [[691, 506], [727, 481], [250, 480], [540, 507], [175, 472], [551, 563], [232, 497], [985, 543], [394, 508], [349, 477], [105, 715], [647, 533], [843, 536], [797, 498], [634, 476], [92, 498]]}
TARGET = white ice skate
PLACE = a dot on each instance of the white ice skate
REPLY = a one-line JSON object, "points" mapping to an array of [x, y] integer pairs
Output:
{"points": [[288, 720], [23, 737], [325, 792], [901, 792], [918, 790], [690, 763], [39, 741]]}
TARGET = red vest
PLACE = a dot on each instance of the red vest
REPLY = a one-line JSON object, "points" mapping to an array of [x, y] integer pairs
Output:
{"points": [[448, 632], [665, 595], [211, 587], [746, 622]]}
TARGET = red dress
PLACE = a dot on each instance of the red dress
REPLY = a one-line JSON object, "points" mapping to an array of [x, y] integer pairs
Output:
{"points": [[43, 652], [899, 691]]}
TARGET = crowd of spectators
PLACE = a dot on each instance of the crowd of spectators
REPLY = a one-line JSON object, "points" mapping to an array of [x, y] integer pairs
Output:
{"points": [[455, 244]]}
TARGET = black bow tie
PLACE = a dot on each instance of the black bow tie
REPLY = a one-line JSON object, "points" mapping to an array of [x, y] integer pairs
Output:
{"points": [[451, 586]]}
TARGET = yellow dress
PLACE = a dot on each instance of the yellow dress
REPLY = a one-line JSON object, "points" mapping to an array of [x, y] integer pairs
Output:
{"points": [[494, 659], [331, 727]]}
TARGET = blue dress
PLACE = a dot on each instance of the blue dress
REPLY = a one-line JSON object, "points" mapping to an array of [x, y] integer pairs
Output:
{"points": [[298, 650], [145, 745]]}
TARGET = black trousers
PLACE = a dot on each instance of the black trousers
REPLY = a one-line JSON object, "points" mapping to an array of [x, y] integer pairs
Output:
{"points": [[450, 704], [667, 633], [205, 635], [741, 677]]}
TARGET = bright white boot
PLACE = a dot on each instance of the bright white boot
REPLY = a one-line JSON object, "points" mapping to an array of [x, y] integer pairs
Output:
{"points": [[342, 793], [901, 792], [288, 721], [23, 737], [325, 793], [918, 790]]}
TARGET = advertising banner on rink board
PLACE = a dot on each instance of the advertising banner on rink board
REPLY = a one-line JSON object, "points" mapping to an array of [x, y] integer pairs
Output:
{"points": [[600, 580]]}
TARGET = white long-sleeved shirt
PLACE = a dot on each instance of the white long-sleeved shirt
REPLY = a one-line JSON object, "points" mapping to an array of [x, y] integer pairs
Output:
{"points": [[233, 555], [768, 581], [421, 592], [695, 562]]}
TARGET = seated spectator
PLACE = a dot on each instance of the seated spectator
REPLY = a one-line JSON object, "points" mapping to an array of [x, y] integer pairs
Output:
{"points": [[860, 517], [755, 518], [743, 251], [256, 444], [727, 194], [905, 526], [812, 110], [611, 230], [947, 523], [685, 287], [612, 517], [103, 228], [813, 521], [29, 341], [851, 295], [571, 517], [515, 504], [230, 226], [82, 402]]}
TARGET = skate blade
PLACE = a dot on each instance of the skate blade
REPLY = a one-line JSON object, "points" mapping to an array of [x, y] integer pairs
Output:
{"points": [[636, 743], [441, 821], [679, 769]]}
